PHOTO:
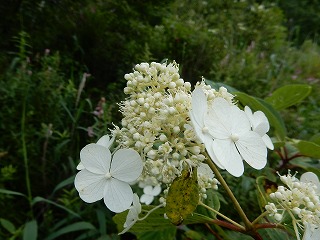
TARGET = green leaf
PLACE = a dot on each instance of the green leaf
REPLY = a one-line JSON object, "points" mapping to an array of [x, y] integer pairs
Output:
{"points": [[6, 224], [273, 116], [276, 234], [78, 226], [30, 231], [306, 148], [102, 221], [164, 234], [5, 191], [156, 220], [183, 196], [41, 199], [288, 95], [212, 201], [278, 144], [315, 138], [64, 183]]}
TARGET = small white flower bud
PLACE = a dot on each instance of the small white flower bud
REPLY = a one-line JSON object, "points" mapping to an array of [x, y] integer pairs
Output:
{"points": [[151, 110], [163, 138], [133, 103], [127, 90], [140, 101], [176, 129], [296, 210], [172, 85], [152, 154], [175, 155], [136, 136], [187, 85], [310, 205], [127, 77], [138, 144], [171, 110], [157, 95], [179, 82], [278, 195], [143, 114], [278, 217], [146, 105], [155, 171]]}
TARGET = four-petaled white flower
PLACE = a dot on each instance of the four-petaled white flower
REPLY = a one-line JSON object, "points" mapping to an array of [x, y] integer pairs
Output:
{"points": [[103, 141], [133, 214], [227, 134], [149, 194], [108, 177]]}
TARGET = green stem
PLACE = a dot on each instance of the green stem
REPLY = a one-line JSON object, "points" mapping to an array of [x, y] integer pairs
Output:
{"points": [[223, 216], [235, 202], [262, 215], [149, 212], [25, 153]]}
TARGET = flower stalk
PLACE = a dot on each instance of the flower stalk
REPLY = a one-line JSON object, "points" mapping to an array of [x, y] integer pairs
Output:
{"points": [[25, 153], [223, 216], [247, 223]]}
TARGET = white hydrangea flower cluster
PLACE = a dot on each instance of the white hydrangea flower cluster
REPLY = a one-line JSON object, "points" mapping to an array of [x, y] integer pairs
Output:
{"points": [[300, 199], [156, 122]]}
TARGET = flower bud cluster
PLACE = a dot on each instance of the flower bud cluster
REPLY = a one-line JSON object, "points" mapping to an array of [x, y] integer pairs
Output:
{"points": [[299, 198], [156, 122]]}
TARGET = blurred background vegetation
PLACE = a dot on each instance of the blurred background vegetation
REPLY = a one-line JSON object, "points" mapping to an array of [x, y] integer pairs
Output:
{"points": [[62, 64]]}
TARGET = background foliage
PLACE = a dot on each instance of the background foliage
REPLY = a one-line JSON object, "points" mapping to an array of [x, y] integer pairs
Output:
{"points": [[61, 71]]}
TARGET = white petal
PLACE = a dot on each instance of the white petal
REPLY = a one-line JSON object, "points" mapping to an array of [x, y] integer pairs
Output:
{"points": [[126, 165], [199, 106], [252, 149], [217, 119], [224, 119], [226, 152], [118, 195], [136, 203], [105, 141], [261, 124], [148, 189], [311, 177], [156, 190], [266, 139], [90, 186], [239, 121], [209, 146], [259, 121], [131, 219], [80, 166], [95, 158], [153, 191], [311, 233], [205, 170], [146, 198], [249, 113]]}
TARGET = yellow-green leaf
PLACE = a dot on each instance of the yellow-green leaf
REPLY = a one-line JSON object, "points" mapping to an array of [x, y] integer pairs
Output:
{"points": [[307, 148], [183, 196], [288, 95]]}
